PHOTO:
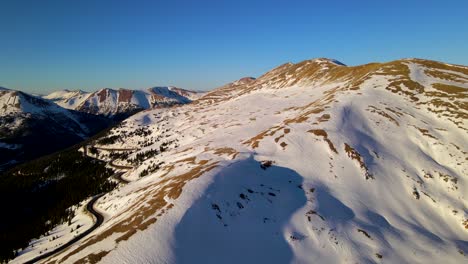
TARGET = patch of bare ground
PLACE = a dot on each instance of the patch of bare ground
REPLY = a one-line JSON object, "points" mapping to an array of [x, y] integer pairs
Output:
{"points": [[323, 133], [285, 131], [227, 151], [425, 132], [354, 154], [302, 118], [443, 66], [283, 145], [125, 95], [453, 77], [142, 214], [397, 113], [184, 150], [401, 82], [254, 141], [448, 101], [451, 89], [189, 160], [278, 138], [354, 75], [323, 118], [102, 95], [92, 258], [381, 112], [315, 107], [448, 179]]}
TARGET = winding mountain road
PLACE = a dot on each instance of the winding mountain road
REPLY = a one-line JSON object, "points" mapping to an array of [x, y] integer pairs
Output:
{"points": [[120, 167], [99, 221], [90, 207], [115, 149], [119, 177]]}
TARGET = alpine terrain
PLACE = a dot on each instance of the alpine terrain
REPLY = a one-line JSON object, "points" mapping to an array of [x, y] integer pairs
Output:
{"points": [[121, 103], [313, 162], [31, 127]]}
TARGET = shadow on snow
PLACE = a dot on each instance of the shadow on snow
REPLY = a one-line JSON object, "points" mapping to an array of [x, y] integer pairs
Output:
{"points": [[242, 217]]}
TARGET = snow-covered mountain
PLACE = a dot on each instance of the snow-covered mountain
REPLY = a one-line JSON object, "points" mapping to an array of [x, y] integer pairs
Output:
{"points": [[68, 99], [31, 126], [122, 102], [314, 162]]}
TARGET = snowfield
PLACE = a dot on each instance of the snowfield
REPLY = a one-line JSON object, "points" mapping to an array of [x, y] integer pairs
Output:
{"points": [[314, 162]]}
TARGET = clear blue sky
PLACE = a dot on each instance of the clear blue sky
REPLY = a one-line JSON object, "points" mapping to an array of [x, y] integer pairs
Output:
{"points": [[48, 45]]}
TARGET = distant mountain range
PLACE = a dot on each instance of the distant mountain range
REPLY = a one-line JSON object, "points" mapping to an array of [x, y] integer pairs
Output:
{"points": [[32, 126], [121, 103]]}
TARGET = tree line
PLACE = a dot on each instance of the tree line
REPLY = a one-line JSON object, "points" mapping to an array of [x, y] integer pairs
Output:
{"points": [[37, 196]]}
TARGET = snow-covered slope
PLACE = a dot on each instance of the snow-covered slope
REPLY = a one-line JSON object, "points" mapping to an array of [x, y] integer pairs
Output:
{"points": [[314, 162], [68, 99], [192, 95], [36, 126], [122, 102]]}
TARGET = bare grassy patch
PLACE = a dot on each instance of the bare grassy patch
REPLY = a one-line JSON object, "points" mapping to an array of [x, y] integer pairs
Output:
{"points": [[184, 150], [425, 132], [436, 73], [228, 151], [443, 66], [448, 100], [354, 154], [451, 89], [323, 118], [278, 138], [323, 133], [92, 258], [397, 113], [255, 141], [382, 113]]}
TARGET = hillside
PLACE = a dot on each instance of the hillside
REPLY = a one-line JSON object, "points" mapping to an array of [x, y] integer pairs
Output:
{"points": [[31, 127], [314, 162]]}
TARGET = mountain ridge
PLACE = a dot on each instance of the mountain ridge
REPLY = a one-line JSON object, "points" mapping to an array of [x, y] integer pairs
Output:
{"points": [[122, 102], [36, 127]]}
